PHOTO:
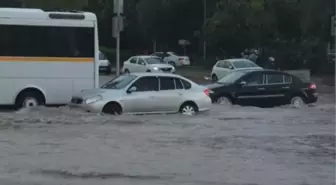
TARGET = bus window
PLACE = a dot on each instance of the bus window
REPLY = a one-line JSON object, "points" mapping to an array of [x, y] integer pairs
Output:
{"points": [[46, 41]]}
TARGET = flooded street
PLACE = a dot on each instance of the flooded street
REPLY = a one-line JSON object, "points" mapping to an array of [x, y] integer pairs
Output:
{"points": [[226, 146]]}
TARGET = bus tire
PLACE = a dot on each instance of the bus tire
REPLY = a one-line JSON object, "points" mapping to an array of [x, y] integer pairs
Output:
{"points": [[30, 97]]}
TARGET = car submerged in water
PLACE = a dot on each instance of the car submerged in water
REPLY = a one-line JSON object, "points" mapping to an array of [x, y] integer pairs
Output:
{"points": [[262, 88], [142, 93]]}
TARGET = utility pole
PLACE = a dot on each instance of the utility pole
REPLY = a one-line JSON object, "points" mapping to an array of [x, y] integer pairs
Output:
{"points": [[333, 43], [117, 27], [204, 22]]}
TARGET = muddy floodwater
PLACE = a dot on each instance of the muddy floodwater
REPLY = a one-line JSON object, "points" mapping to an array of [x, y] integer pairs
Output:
{"points": [[226, 146]]}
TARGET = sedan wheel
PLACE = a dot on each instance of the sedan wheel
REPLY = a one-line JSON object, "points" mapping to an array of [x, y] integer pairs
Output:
{"points": [[223, 100], [297, 102], [188, 109], [126, 71], [214, 78]]}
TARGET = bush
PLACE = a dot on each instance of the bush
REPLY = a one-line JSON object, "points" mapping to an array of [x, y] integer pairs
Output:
{"points": [[111, 54]]}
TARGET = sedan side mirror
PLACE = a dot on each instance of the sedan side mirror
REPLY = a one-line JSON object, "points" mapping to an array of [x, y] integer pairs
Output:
{"points": [[231, 67], [132, 89]]}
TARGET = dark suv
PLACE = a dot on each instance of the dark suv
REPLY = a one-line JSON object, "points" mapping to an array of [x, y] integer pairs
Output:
{"points": [[262, 88]]}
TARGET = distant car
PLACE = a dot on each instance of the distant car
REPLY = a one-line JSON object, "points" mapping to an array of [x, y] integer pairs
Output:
{"points": [[104, 64], [146, 63], [140, 93], [262, 88], [173, 59], [224, 67]]}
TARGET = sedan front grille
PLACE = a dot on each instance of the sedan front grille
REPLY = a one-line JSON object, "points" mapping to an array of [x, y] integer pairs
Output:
{"points": [[76, 100], [168, 69]]}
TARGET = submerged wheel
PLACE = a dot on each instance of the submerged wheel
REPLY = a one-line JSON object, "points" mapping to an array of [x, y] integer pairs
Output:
{"points": [[188, 108], [223, 100], [30, 98], [112, 108], [297, 102]]}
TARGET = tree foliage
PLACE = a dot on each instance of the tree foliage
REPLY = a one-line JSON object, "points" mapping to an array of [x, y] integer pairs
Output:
{"points": [[295, 30]]}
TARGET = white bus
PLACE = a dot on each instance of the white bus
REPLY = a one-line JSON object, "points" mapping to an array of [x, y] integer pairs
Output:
{"points": [[45, 57]]}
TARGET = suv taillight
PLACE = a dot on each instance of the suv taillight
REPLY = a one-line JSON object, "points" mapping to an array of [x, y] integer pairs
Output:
{"points": [[312, 86]]}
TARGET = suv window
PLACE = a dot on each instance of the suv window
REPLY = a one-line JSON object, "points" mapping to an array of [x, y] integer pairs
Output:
{"points": [[254, 79], [186, 84], [167, 83], [288, 79], [178, 83], [133, 60], [275, 78], [147, 84]]}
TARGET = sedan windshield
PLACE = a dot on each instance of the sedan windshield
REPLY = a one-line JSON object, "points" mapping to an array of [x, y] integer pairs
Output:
{"points": [[232, 77], [244, 64], [153, 60], [120, 82]]}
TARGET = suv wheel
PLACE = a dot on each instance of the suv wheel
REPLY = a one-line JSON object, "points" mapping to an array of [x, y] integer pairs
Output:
{"points": [[223, 100], [297, 102]]}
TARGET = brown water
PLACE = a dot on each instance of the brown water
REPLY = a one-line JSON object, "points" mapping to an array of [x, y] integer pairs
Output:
{"points": [[226, 146]]}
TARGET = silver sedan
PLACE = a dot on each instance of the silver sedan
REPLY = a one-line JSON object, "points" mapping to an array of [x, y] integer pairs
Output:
{"points": [[141, 93]]}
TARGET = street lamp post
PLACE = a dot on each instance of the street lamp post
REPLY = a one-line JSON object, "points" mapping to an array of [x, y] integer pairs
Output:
{"points": [[117, 27], [333, 42], [204, 21]]}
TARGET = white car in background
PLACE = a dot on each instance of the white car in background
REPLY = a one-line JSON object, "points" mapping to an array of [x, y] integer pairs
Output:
{"points": [[224, 67], [144, 63], [104, 64], [173, 59]]}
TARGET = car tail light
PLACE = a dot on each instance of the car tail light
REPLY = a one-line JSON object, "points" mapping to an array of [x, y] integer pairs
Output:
{"points": [[312, 86], [207, 92]]}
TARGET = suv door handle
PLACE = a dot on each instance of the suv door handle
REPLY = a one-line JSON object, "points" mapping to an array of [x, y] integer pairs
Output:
{"points": [[261, 88], [285, 87]]}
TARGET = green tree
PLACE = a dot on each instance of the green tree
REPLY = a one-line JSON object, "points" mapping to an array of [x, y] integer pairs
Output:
{"points": [[52, 4]]}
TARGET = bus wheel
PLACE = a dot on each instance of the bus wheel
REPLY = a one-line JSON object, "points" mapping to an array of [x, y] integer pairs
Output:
{"points": [[30, 98]]}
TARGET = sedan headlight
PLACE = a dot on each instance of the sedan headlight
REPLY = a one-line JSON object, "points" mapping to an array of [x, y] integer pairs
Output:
{"points": [[93, 99], [156, 68]]}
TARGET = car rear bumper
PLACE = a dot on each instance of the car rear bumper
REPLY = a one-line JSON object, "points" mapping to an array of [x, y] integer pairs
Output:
{"points": [[312, 98], [185, 62], [204, 104]]}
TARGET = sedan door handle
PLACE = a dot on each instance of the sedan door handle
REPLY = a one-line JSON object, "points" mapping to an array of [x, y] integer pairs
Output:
{"points": [[261, 88], [152, 97], [285, 87]]}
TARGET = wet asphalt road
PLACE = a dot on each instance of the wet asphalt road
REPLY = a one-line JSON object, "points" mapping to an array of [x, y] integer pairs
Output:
{"points": [[234, 146], [226, 146]]}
